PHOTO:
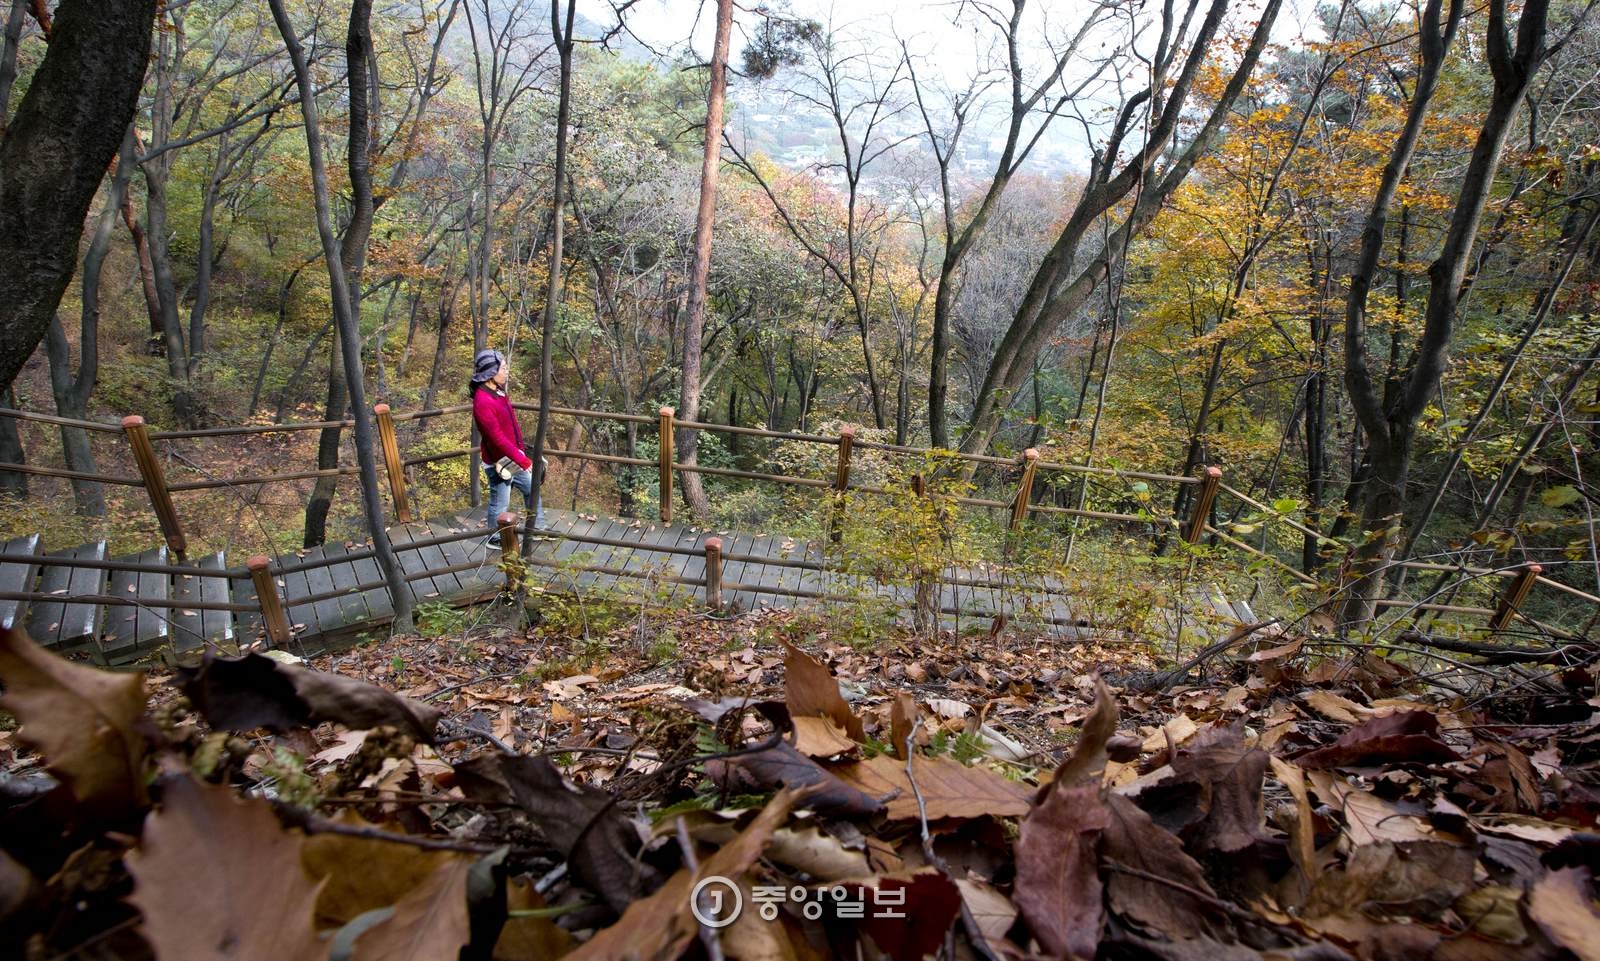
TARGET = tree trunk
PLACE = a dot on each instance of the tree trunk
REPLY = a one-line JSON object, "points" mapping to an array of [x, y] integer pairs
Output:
{"points": [[1543, 303], [204, 264], [16, 19], [147, 269], [14, 483], [54, 154], [1059, 288], [558, 218], [1390, 423], [344, 314], [284, 290], [72, 392], [352, 261], [688, 441]]}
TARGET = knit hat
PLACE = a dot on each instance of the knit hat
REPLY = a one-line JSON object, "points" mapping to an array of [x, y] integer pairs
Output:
{"points": [[486, 365]]}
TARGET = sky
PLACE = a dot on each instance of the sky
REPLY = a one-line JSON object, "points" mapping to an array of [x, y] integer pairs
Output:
{"points": [[949, 39], [668, 23]]}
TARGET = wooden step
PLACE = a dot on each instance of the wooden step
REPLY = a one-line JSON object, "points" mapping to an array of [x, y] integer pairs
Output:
{"points": [[17, 576], [61, 626], [127, 632], [192, 630]]}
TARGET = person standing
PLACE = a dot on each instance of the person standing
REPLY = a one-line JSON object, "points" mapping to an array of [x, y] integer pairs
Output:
{"points": [[505, 463]]}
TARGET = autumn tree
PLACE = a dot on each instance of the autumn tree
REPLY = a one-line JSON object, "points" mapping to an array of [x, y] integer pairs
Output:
{"points": [[1130, 189], [1389, 415]]}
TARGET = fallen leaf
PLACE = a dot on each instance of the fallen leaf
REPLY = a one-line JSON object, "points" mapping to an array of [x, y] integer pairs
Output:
{"points": [[753, 938], [821, 738], [1278, 653], [1399, 738], [429, 923], [1088, 761], [345, 744], [1058, 886], [584, 824], [17, 887], [820, 855], [783, 766], [1368, 818], [1562, 904], [991, 911], [244, 693], [1337, 708], [84, 721], [1524, 828], [949, 788], [659, 927], [1173, 733], [1303, 836], [932, 904], [1410, 879], [811, 690], [948, 708], [1495, 912], [529, 938], [363, 874], [217, 877], [1131, 839]]}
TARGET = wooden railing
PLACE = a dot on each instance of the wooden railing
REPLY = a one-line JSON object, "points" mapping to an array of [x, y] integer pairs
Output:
{"points": [[1521, 580]]}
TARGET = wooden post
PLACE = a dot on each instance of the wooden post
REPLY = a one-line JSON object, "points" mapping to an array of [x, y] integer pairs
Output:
{"points": [[155, 484], [1019, 509], [1514, 596], [664, 448], [714, 573], [391, 462], [272, 612], [509, 525], [847, 443], [1196, 527], [841, 484]]}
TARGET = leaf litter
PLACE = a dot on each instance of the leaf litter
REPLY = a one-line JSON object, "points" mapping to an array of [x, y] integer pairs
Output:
{"points": [[517, 798]]}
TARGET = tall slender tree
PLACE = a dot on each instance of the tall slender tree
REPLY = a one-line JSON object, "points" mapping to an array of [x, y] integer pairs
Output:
{"points": [[562, 32], [344, 313], [1389, 415], [694, 492]]}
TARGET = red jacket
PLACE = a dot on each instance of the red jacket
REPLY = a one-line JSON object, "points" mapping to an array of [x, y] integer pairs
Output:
{"points": [[497, 423]]}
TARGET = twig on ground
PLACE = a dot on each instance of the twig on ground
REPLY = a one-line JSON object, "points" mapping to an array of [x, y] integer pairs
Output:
{"points": [[969, 924], [708, 934]]}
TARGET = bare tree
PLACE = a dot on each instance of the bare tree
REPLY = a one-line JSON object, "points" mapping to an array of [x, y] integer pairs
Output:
{"points": [[362, 150], [562, 35], [1027, 100], [1063, 284], [861, 105], [343, 310], [694, 492], [72, 390]]}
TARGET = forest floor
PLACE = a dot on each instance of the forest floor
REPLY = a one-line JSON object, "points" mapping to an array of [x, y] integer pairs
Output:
{"points": [[511, 794]]}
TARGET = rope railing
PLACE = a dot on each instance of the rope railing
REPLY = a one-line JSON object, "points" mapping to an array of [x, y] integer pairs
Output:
{"points": [[29, 415], [1198, 525], [39, 471]]}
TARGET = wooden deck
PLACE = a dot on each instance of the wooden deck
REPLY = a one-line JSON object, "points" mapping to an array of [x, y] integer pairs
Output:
{"points": [[580, 553]]}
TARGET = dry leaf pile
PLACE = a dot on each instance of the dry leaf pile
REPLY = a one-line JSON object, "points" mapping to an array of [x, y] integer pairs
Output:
{"points": [[979, 806]]}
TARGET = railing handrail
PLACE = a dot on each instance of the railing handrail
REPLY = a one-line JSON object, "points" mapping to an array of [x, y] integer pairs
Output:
{"points": [[153, 480]]}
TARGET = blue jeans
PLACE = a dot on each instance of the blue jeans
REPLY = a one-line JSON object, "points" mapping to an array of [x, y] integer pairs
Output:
{"points": [[500, 495]]}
